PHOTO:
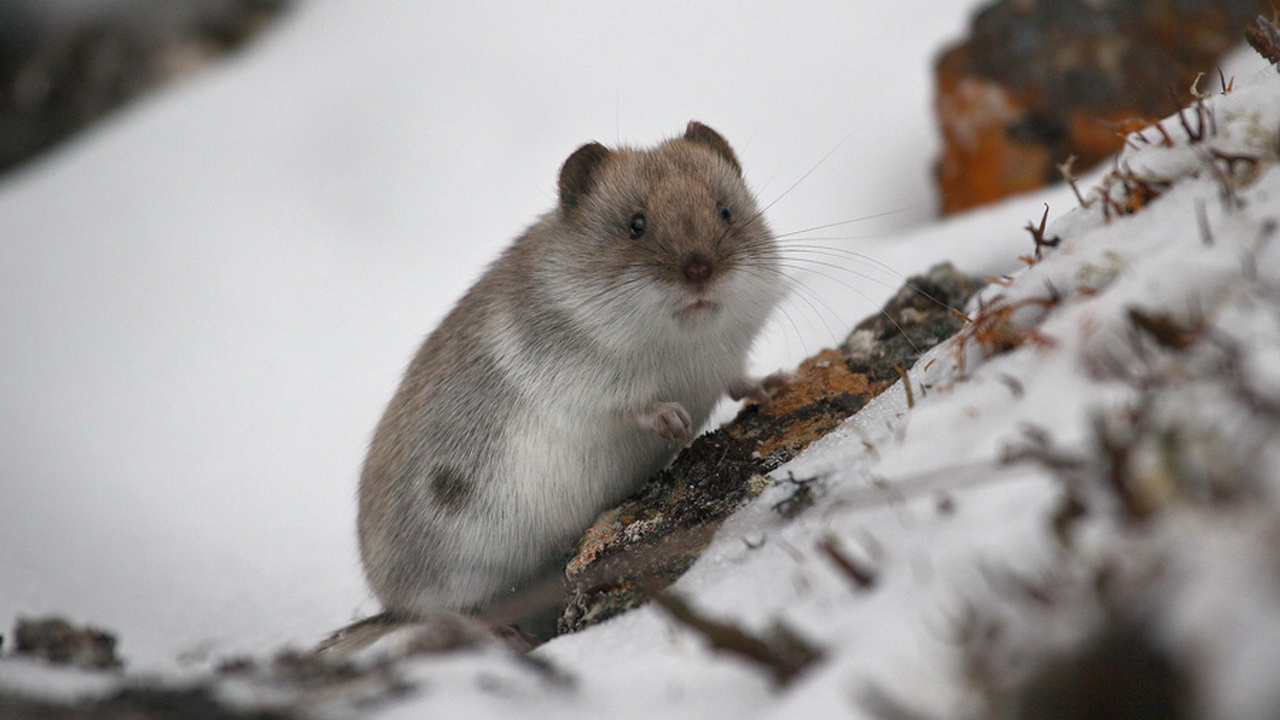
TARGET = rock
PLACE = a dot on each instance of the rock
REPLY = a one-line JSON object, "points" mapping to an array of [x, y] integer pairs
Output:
{"points": [[915, 319], [62, 67], [653, 537], [1123, 671], [136, 703], [1038, 82], [57, 641]]}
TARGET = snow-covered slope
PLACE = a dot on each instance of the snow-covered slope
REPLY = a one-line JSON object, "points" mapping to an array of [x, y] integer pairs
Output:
{"points": [[1093, 463]]}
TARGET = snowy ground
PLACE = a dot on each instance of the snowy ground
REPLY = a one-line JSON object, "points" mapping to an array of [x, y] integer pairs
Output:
{"points": [[207, 302]]}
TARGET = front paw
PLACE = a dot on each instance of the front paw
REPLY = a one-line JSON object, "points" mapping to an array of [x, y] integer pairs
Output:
{"points": [[759, 389], [668, 419]]}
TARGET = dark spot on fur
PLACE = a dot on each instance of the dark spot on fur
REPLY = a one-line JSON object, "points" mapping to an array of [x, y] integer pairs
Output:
{"points": [[451, 488], [551, 331]]}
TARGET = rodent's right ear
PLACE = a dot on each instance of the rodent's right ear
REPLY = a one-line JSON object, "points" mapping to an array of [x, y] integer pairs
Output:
{"points": [[577, 175]]}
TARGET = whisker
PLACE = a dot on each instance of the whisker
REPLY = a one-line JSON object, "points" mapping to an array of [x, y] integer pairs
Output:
{"points": [[804, 294], [805, 263], [837, 252], [808, 172], [845, 253], [867, 297], [864, 218], [781, 310]]}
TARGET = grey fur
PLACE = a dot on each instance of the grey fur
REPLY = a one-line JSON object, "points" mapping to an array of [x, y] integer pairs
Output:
{"points": [[567, 374]]}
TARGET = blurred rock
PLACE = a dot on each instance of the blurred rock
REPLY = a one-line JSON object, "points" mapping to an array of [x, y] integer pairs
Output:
{"points": [[57, 641], [136, 703], [1038, 81], [67, 63], [1121, 673]]}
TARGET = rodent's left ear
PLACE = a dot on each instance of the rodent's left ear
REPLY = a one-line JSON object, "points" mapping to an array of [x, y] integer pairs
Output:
{"points": [[703, 135], [577, 175]]}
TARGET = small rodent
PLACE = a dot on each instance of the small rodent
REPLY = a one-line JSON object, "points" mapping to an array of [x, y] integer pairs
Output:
{"points": [[572, 370]]}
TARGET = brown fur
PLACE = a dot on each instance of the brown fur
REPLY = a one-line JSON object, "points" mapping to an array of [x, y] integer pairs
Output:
{"points": [[568, 373]]}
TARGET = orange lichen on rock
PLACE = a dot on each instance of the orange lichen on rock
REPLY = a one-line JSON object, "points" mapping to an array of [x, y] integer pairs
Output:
{"points": [[602, 534], [981, 161], [1036, 83], [821, 375], [823, 393], [799, 435]]}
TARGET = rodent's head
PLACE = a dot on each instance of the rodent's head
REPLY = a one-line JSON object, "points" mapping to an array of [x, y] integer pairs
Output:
{"points": [[668, 232]]}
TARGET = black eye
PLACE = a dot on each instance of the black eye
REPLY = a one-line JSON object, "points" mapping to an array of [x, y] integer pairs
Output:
{"points": [[725, 214], [636, 226]]}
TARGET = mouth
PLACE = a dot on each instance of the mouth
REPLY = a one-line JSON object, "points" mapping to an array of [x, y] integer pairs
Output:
{"points": [[697, 308]]}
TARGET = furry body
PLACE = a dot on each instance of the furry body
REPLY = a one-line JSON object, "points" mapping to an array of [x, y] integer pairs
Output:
{"points": [[568, 374]]}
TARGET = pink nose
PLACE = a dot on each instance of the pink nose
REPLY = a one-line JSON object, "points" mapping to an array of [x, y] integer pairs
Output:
{"points": [[697, 268]]}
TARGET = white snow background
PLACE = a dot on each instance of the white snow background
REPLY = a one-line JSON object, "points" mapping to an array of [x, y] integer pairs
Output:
{"points": [[206, 301]]}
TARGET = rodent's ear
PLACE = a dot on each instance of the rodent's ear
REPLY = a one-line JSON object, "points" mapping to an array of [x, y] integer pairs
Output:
{"points": [[577, 175], [703, 135]]}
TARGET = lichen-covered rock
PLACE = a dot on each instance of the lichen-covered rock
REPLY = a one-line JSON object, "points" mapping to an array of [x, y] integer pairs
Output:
{"points": [[923, 313], [1038, 82], [654, 537]]}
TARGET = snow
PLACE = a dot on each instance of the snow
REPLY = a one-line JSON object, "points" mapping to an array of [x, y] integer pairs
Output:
{"points": [[208, 299]]}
